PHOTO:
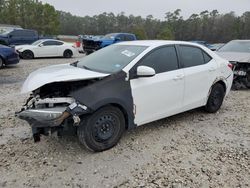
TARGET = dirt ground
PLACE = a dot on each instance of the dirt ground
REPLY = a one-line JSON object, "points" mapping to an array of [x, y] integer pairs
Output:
{"points": [[192, 149]]}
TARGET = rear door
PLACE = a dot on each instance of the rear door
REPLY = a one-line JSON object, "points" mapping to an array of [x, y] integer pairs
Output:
{"points": [[200, 73], [161, 95]]}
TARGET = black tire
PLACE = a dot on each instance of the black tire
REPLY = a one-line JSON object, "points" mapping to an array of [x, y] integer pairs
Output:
{"points": [[215, 98], [1, 63], [67, 54], [103, 129], [247, 82], [27, 54]]}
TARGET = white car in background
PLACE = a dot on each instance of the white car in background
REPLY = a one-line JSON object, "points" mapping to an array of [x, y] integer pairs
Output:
{"points": [[46, 48], [123, 86]]}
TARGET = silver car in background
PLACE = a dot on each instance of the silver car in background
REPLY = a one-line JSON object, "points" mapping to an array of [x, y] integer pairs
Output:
{"points": [[237, 52]]}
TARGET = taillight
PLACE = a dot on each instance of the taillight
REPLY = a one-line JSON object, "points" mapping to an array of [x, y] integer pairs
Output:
{"points": [[230, 65]]}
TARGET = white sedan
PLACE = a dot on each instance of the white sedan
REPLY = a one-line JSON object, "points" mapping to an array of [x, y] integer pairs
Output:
{"points": [[124, 86], [46, 48]]}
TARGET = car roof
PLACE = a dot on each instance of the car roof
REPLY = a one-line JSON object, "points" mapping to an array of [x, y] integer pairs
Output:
{"points": [[44, 40], [154, 43]]}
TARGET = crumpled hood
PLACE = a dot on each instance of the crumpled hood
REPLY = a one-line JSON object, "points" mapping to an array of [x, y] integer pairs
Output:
{"points": [[235, 56], [57, 73]]}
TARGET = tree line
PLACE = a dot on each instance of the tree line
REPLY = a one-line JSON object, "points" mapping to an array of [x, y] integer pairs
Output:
{"points": [[210, 26]]}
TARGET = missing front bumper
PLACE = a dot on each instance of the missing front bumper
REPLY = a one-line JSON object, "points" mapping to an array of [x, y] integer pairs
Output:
{"points": [[46, 117]]}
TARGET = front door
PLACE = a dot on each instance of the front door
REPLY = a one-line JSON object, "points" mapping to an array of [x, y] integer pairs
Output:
{"points": [[161, 95]]}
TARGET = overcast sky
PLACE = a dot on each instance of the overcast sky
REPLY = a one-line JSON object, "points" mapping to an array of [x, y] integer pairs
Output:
{"points": [[157, 8]]}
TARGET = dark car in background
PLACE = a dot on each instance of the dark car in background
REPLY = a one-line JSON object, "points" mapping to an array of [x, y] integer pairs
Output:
{"points": [[18, 36], [95, 43], [8, 56], [237, 52]]}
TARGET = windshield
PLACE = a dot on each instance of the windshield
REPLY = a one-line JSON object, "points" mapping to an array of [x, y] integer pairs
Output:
{"points": [[111, 59], [236, 46], [37, 42], [109, 36]]}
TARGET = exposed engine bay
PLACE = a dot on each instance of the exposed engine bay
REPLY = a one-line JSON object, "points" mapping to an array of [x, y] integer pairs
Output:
{"points": [[51, 107]]}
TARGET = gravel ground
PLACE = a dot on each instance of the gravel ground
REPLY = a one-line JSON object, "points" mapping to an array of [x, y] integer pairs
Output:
{"points": [[192, 149]]}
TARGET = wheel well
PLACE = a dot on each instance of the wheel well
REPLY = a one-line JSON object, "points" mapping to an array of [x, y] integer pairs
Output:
{"points": [[28, 51], [222, 83], [122, 110], [68, 50]]}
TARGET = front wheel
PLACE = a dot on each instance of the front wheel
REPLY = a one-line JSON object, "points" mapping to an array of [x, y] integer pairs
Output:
{"points": [[215, 98], [103, 129], [67, 54], [27, 54]]}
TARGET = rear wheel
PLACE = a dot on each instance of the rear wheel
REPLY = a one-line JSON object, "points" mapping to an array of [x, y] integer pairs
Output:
{"points": [[1, 63], [27, 54], [103, 129], [215, 98], [67, 54]]}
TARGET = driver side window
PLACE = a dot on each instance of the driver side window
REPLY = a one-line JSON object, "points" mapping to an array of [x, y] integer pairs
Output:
{"points": [[161, 60]]}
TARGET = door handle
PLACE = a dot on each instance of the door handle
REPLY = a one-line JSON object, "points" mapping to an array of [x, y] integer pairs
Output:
{"points": [[212, 69], [179, 77]]}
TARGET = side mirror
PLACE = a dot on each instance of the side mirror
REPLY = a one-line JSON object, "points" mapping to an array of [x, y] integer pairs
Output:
{"points": [[145, 71]]}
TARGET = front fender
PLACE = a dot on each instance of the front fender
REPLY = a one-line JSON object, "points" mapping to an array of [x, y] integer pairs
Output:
{"points": [[113, 89]]}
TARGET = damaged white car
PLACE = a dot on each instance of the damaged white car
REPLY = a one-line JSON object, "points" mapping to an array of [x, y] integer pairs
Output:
{"points": [[124, 86]]}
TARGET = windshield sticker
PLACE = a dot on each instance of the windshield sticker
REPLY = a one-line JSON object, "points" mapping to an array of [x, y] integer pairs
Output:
{"points": [[128, 53]]}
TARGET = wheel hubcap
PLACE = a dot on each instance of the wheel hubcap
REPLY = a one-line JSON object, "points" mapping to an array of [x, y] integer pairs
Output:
{"points": [[104, 128]]}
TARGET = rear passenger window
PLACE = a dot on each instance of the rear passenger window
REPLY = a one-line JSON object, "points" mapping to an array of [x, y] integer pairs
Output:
{"points": [[162, 59], [191, 56], [207, 58]]}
